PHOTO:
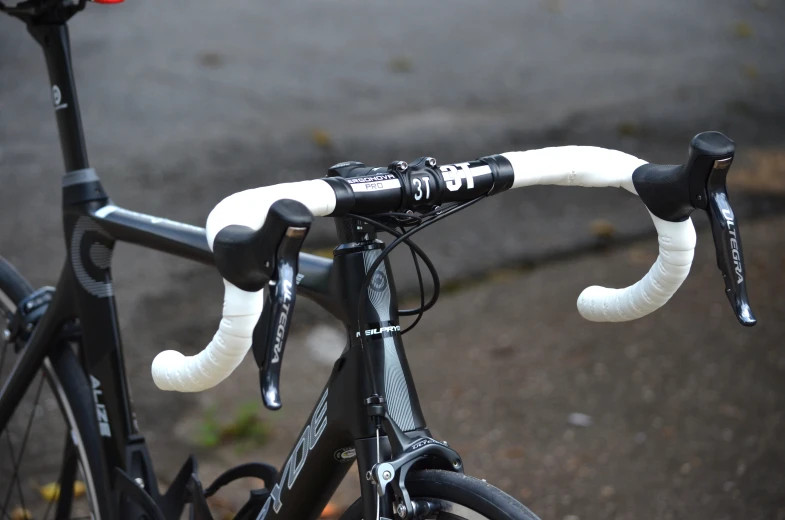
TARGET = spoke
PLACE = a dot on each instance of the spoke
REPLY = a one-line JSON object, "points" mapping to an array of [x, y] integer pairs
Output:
{"points": [[14, 476], [15, 463], [6, 514], [48, 508], [67, 477]]}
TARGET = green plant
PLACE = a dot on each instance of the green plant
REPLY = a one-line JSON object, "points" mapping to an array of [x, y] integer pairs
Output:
{"points": [[244, 428]]}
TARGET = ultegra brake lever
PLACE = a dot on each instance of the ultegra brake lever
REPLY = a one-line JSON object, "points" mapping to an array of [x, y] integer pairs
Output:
{"points": [[673, 192], [266, 259], [293, 221], [727, 241]]}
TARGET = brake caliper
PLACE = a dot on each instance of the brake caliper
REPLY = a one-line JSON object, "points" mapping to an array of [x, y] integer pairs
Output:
{"points": [[28, 312]]}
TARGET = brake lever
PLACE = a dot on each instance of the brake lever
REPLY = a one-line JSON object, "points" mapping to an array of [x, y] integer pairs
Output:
{"points": [[711, 154], [673, 192], [272, 329], [727, 242]]}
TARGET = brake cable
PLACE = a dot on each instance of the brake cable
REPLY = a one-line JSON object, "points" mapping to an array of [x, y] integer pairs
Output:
{"points": [[421, 309], [416, 251], [439, 215]]}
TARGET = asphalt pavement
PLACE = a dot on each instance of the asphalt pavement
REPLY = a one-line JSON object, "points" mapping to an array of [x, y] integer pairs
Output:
{"points": [[187, 102], [677, 415]]}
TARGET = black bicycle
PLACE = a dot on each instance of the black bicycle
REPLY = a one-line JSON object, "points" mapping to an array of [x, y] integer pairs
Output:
{"points": [[66, 362]]}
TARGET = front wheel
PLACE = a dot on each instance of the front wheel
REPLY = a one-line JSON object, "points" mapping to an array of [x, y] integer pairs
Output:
{"points": [[460, 496]]}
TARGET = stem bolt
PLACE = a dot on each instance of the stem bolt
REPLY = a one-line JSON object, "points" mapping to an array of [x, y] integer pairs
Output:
{"points": [[402, 510], [401, 166], [430, 161], [386, 475]]}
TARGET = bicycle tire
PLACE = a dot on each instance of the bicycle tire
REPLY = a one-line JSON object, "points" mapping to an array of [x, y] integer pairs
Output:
{"points": [[73, 393], [469, 498]]}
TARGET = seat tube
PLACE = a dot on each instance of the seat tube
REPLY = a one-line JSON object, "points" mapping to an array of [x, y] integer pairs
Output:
{"points": [[55, 42]]}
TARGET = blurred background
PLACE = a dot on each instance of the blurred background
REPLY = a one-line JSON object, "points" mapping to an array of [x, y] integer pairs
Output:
{"points": [[678, 415]]}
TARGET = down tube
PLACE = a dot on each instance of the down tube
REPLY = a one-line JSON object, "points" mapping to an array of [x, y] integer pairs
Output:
{"points": [[314, 468]]}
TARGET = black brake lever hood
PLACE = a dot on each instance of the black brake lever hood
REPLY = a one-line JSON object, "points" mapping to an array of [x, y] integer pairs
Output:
{"points": [[673, 192]]}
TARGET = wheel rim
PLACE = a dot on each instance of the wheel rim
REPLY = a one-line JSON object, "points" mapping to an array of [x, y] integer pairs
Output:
{"points": [[22, 495]]}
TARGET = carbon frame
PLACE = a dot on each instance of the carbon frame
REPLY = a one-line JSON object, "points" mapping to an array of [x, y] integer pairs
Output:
{"points": [[339, 428]]}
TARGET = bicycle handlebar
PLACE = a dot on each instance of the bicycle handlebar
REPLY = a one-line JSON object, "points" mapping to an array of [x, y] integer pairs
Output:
{"points": [[670, 193]]}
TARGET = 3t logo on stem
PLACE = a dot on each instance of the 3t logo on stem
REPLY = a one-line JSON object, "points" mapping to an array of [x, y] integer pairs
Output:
{"points": [[455, 174]]}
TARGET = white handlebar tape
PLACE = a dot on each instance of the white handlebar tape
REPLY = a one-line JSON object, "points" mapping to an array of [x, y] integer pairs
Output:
{"points": [[241, 310], [587, 166], [598, 167], [564, 166], [677, 247]]}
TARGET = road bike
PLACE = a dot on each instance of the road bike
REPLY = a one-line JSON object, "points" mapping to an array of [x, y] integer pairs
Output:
{"points": [[66, 338]]}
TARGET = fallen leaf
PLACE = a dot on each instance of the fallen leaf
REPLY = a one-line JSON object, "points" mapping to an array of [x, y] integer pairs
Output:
{"points": [[330, 511], [742, 30], [764, 173], [51, 492], [221, 507], [602, 228], [21, 514], [750, 71], [400, 64], [211, 59], [628, 129], [321, 138], [515, 452]]}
